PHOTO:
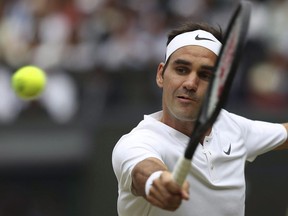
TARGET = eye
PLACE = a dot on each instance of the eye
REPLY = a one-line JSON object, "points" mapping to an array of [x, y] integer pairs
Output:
{"points": [[182, 70], [205, 75]]}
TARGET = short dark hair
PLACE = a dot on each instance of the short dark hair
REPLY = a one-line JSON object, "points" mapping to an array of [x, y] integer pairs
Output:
{"points": [[190, 26]]}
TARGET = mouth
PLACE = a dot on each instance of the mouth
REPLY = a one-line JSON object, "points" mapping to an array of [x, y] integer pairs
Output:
{"points": [[186, 98]]}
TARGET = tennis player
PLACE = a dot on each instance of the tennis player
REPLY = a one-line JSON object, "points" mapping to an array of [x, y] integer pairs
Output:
{"points": [[144, 158]]}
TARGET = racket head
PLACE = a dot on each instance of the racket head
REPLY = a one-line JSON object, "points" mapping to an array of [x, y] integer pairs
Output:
{"points": [[225, 69], [228, 61]]}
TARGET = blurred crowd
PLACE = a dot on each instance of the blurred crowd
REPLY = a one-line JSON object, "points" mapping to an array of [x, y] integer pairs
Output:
{"points": [[84, 45], [100, 54]]}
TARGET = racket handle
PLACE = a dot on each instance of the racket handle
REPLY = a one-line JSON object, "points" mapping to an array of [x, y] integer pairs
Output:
{"points": [[181, 170]]}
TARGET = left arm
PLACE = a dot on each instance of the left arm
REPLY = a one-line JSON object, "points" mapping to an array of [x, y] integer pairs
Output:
{"points": [[285, 144]]}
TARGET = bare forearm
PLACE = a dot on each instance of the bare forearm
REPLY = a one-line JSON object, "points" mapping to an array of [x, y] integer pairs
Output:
{"points": [[141, 173]]}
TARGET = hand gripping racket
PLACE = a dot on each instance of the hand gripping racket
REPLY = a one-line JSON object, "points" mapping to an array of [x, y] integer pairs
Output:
{"points": [[216, 96]]}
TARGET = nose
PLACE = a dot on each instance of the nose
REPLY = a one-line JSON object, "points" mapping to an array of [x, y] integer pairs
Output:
{"points": [[191, 83]]}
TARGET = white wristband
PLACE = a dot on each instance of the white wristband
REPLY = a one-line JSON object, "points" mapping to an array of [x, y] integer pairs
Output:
{"points": [[150, 180]]}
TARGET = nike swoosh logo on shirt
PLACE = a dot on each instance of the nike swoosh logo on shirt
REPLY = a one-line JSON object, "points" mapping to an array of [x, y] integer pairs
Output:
{"points": [[202, 38], [228, 151]]}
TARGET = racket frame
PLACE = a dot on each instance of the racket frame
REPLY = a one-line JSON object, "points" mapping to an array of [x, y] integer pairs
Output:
{"points": [[213, 104]]}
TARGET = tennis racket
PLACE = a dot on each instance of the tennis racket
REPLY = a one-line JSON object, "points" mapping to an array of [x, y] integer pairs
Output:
{"points": [[216, 96]]}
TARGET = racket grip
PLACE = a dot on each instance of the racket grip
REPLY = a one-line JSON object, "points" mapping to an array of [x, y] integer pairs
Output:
{"points": [[181, 170]]}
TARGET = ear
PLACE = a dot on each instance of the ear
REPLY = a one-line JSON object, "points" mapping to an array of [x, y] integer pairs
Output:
{"points": [[160, 74]]}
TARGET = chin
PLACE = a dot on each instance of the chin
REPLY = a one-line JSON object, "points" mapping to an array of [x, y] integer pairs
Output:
{"points": [[189, 119], [186, 118], [183, 115]]}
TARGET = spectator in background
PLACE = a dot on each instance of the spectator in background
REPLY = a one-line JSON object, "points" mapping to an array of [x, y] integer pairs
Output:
{"points": [[79, 36], [37, 32], [10, 106], [267, 77], [60, 95]]}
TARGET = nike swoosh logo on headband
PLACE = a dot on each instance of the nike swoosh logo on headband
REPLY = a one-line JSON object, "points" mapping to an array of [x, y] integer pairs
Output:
{"points": [[202, 38]]}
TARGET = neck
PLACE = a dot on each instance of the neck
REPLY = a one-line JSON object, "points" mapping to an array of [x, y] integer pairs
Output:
{"points": [[185, 127]]}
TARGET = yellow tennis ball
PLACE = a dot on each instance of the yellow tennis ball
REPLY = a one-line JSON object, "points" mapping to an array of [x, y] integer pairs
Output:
{"points": [[29, 82]]}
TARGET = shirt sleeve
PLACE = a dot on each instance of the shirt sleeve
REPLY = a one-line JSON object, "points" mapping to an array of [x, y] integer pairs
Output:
{"points": [[262, 137], [129, 151]]}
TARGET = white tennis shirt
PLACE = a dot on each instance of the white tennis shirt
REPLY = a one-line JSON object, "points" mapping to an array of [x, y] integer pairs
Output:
{"points": [[217, 181]]}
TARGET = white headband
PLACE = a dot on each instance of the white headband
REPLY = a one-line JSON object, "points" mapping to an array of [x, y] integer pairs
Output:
{"points": [[198, 38]]}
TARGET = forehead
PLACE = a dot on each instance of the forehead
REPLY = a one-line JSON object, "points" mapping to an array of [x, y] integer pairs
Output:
{"points": [[194, 53]]}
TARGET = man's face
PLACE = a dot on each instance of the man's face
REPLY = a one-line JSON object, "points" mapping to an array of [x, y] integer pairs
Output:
{"points": [[185, 82]]}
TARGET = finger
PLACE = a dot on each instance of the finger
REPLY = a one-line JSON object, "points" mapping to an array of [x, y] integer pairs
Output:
{"points": [[157, 193], [163, 203], [154, 201], [170, 200], [169, 183], [185, 191]]}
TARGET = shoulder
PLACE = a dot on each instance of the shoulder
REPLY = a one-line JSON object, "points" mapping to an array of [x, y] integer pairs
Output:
{"points": [[146, 136], [148, 128], [227, 119]]}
